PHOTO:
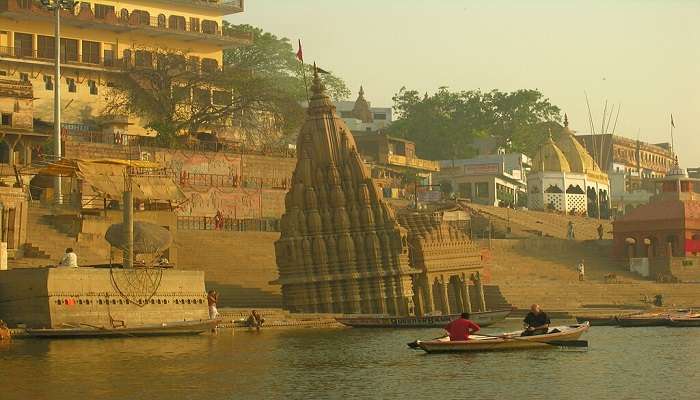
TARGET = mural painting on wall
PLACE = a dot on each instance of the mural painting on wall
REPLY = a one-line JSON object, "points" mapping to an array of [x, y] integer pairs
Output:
{"points": [[213, 183]]}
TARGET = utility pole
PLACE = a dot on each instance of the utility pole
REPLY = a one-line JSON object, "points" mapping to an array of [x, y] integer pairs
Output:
{"points": [[56, 6]]}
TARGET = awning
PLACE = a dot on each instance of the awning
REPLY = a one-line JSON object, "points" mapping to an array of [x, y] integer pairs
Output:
{"points": [[107, 179]]}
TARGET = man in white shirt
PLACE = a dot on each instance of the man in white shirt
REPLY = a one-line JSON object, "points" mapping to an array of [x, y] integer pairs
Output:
{"points": [[581, 271], [70, 259]]}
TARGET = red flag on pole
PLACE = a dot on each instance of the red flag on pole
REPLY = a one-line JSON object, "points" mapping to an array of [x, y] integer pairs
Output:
{"points": [[300, 54]]}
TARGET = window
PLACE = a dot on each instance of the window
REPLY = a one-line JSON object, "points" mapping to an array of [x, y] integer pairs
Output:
{"points": [[380, 116], [140, 17], [46, 46], [23, 77], [194, 24], [101, 10], [201, 96], [221, 98], [161, 21], [176, 22], [481, 189], [85, 7], [209, 65], [108, 58], [71, 85], [93, 87], [3, 73], [124, 14], [6, 119], [181, 94], [143, 58], [91, 52], [69, 50], [127, 58], [210, 27], [193, 64], [48, 82], [465, 189], [23, 45]]}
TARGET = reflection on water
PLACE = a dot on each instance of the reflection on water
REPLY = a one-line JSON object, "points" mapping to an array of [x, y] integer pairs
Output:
{"points": [[348, 363]]}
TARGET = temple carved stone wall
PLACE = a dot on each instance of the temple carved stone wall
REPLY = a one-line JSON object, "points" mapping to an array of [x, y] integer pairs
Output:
{"points": [[342, 248]]}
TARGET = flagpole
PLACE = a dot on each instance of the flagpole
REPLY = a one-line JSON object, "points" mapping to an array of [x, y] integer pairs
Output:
{"points": [[673, 147], [300, 57]]}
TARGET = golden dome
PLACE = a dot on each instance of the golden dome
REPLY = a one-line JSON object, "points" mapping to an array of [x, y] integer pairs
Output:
{"points": [[579, 159], [550, 158]]}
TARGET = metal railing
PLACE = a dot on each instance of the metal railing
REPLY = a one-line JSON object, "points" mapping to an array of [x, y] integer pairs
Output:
{"points": [[67, 58], [213, 180], [136, 17], [228, 224]]}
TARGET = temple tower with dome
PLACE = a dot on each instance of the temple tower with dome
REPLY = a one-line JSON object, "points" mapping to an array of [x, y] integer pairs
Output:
{"points": [[565, 178]]}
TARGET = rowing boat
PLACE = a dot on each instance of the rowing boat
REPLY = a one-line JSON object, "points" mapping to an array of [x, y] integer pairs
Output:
{"points": [[692, 320], [560, 336], [485, 318], [640, 320], [610, 320], [163, 329]]}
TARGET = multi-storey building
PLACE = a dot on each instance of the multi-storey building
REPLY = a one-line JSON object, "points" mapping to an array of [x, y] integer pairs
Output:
{"points": [[630, 165], [360, 116], [104, 37]]}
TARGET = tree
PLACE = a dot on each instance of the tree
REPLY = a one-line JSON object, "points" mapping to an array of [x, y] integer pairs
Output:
{"points": [[176, 96], [275, 58], [444, 125]]}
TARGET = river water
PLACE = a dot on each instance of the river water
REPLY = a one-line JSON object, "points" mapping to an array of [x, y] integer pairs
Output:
{"points": [[621, 363]]}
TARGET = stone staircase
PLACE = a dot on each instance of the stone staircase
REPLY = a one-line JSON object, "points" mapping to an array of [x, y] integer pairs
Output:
{"points": [[46, 243], [543, 271], [527, 223]]}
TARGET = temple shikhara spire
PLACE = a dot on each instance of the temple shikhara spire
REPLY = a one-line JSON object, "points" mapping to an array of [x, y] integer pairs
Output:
{"points": [[342, 248]]}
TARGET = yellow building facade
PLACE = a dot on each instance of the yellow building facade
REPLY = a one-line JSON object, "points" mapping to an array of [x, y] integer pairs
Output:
{"points": [[101, 38]]}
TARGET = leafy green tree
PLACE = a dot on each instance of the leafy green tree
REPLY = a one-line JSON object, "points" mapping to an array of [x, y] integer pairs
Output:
{"points": [[275, 58], [444, 125]]}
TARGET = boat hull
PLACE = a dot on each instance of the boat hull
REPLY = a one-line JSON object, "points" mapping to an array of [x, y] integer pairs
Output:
{"points": [[481, 318], [483, 343], [165, 329], [684, 322], [642, 322]]}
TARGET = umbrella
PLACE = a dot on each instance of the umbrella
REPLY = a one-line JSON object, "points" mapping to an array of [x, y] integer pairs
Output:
{"points": [[148, 237]]}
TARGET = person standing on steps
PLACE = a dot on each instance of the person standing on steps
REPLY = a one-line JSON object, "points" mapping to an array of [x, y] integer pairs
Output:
{"points": [[600, 232], [213, 300], [581, 271], [570, 234]]}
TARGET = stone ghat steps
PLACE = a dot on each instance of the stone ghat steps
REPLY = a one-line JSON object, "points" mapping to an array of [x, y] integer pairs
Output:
{"points": [[549, 224], [46, 245]]}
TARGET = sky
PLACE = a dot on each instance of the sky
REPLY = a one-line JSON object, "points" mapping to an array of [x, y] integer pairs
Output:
{"points": [[643, 55]]}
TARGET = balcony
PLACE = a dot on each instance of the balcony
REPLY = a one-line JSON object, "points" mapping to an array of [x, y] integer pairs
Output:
{"points": [[193, 31], [225, 6], [74, 60], [417, 163]]}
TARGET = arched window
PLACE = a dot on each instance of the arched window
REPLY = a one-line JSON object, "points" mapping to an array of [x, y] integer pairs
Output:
{"points": [[124, 15], [127, 58], [161, 20], [210, 27], [140, 17], [176, 22]]}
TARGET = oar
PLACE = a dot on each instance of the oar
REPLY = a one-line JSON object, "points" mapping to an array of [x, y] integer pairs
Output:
{"points": [[558, 343], [414, 344]]}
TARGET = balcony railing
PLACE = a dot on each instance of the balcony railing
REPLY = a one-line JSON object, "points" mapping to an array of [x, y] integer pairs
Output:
{"points": [[131, 19], [66, 58], [228, 224], [417, 163]]}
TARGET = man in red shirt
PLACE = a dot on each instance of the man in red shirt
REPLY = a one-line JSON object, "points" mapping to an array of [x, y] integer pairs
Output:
{"points": [[461, 328]]}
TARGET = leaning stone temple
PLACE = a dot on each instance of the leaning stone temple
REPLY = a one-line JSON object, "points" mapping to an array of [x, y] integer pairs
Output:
{"points": [[343, 250]]}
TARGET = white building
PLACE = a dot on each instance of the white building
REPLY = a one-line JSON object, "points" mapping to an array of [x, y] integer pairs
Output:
{"points": [[359, 115], [491, 179], [565, 178]]}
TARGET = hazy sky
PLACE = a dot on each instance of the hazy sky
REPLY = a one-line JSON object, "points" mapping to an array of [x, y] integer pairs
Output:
{"points": [[642, 54]]}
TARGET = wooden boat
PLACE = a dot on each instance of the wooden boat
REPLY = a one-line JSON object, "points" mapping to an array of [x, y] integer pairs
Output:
{"points": [[608, 320], [641, 320], [692, 320], [164, 329], [564, 336], [485, 318]]}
